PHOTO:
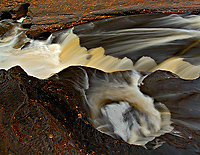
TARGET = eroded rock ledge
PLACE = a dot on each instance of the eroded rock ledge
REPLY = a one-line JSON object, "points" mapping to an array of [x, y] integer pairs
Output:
{"points": [[51, 16]]}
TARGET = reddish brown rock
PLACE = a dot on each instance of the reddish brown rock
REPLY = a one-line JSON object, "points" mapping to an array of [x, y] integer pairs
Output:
{"points": [[56, 15], [43, 116], [48, 116]]}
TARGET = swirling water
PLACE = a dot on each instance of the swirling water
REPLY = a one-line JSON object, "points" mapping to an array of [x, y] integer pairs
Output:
{"points": [[117, 106]]}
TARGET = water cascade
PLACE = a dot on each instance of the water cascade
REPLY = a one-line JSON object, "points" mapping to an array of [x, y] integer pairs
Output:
{"points": [[117, 107]]}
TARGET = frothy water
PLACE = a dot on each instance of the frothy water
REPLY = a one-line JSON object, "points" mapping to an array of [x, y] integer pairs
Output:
{"points": [[42, 59], [117, 107], [121, 110], [176, 65]]}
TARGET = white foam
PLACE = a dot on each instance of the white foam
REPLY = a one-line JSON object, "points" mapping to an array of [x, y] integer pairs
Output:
{"points": [[42, 59], [110, 99]]}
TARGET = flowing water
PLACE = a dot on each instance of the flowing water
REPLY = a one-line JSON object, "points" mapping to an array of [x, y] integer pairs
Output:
{"points": [[168, 42], [117, 107]]}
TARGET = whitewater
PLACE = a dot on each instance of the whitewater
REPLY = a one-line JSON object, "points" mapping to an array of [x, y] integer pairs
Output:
{"points": [[139, 118]]}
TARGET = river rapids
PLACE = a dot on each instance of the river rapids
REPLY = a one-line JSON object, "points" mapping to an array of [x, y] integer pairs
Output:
{"points": [[126, 55]]}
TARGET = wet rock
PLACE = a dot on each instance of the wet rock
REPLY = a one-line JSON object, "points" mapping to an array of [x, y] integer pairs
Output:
{"points": [[43, 35], [27, 22], [58, 17], [6, 15], [182, 99], [25, 124], [43, 116], [3, 148], [21, 10], [25, 45]]}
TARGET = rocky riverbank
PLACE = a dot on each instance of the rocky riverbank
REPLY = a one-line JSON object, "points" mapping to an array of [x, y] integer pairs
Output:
{"points": [[51, 16], [48, 117]]}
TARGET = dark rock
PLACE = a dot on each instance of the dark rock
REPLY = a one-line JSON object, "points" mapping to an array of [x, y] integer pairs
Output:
{"points": [[30, 36], [6, 15], [182, 99], [43, 115], [21, 10], [28, 26], [27, 22], [196, 12], [43, 35], [25, 45], [24, 121]]}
